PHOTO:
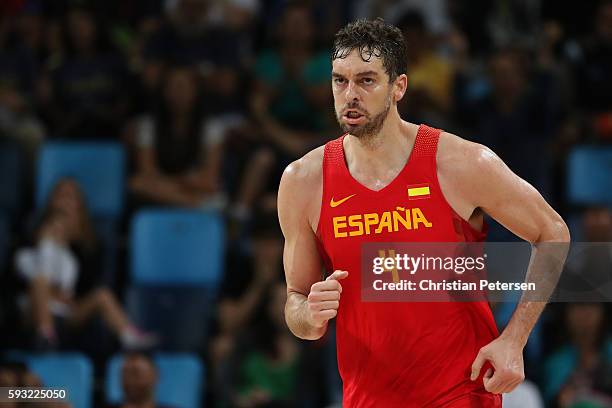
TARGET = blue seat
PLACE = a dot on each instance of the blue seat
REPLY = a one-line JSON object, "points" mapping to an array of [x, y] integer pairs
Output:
{"points": [[11, 174], [589, 175], [176, 268], [70, 371], [99, 168], [177, 248], [180, 382]]}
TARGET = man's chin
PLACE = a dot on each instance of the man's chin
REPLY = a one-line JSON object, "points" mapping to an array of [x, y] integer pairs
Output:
{"points": [[355, 130]]}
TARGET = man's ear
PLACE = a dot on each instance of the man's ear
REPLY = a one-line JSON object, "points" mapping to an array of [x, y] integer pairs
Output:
{"points": [[399, 87]]}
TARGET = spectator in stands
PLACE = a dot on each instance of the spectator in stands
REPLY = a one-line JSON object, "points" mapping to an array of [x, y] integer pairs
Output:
{"points": [[189, 37], [435, 12], [86, 98], [428, 97], [292, 87], [138, 381], [263, 371], [581, 370], [287, 102], [177, 160], [51, 267], [18, 68], [244, 290], [519, 117]]}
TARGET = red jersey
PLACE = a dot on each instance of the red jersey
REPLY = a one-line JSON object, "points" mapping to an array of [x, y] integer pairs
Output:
{"points": [[401, 354]]}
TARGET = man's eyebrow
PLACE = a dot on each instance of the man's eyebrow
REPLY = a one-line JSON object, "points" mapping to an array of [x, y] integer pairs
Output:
{"points": [[360, 74], [367, 73]]}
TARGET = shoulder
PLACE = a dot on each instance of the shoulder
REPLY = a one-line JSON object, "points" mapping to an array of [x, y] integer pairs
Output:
{"points": [[301, 189], [462, 157], [471, 175], [304, 173]]}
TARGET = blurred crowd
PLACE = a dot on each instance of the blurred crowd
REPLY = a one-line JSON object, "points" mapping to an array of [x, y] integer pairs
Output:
{"points": [[211, 99]]}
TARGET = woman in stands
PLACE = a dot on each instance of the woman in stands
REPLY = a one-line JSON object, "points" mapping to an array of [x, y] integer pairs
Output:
{"points": [[177, 158], [64, 246]]}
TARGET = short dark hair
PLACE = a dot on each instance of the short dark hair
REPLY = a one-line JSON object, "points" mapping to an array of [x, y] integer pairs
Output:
{"points": [[373, 38]]}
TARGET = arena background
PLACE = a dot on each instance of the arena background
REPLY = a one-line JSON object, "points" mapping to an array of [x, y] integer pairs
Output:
{"points": [[174, 120]]}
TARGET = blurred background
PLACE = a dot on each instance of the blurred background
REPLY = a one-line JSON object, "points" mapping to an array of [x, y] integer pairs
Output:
{"points": [[141, 147]]}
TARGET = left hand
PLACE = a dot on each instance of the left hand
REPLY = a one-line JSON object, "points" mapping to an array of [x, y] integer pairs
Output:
{"points": [[506, 356]]}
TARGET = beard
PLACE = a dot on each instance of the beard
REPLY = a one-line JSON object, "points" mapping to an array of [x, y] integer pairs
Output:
{"points": [[372, 125]]}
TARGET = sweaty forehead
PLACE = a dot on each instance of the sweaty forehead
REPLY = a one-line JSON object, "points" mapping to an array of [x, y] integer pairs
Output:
{"points": [[353, 64]]}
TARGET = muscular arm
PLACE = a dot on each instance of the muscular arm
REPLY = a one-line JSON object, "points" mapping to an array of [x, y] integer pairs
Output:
{"points": [[299, 189], [300, 257], [514, 203], [489, 185]]}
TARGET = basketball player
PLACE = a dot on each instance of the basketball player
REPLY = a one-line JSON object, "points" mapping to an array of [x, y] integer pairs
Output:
{"points": [[401, 354]]}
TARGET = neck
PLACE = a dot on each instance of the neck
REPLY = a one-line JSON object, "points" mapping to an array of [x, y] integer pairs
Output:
{"points": [[382, 156]]}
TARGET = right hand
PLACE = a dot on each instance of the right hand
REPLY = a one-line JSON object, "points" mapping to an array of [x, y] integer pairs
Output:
{"points": [[324, 299]]}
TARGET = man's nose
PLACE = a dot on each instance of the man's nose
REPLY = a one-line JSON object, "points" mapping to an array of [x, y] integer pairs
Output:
{"points": [[352, 93]]}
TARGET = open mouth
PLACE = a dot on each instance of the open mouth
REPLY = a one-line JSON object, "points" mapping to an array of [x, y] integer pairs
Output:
{"points": [[353, 117]]}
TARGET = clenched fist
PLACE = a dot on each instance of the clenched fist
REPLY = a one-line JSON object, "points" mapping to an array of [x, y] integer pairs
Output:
{"points": [[324, 299]]}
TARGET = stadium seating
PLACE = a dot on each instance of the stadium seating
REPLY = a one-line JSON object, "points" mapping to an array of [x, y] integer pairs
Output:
{"points": [[70, 371], [176, 265], [99, 167], [588, 175], [177, 248], [180, 383]]}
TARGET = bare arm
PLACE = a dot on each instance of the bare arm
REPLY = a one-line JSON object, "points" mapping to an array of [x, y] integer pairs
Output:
{"points": [[518, 206], [488, 184], [310, 302]]}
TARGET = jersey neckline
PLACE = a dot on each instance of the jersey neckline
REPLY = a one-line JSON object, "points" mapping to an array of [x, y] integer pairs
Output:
{"points": [[395, 179]]}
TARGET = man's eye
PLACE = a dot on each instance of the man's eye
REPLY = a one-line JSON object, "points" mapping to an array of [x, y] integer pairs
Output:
{"points": [[367, 81], [339, 80]]}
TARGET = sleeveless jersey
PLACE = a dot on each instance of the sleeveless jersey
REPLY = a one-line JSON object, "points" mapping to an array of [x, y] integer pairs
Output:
{"points": [[401, 354]]}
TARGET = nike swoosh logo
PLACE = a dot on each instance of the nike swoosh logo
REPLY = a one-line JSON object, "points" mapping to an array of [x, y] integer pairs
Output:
{"points": [[333, 203]]}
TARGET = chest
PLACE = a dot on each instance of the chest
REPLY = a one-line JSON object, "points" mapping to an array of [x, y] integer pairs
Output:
{"points": [[412, 209]]}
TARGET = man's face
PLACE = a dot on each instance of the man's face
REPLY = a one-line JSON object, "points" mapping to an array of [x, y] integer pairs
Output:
{"points": [[362, 94], [138, 377]]}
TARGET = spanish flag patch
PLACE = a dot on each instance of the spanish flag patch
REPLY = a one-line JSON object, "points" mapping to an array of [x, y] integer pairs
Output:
{"points": [[418, 191]]}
